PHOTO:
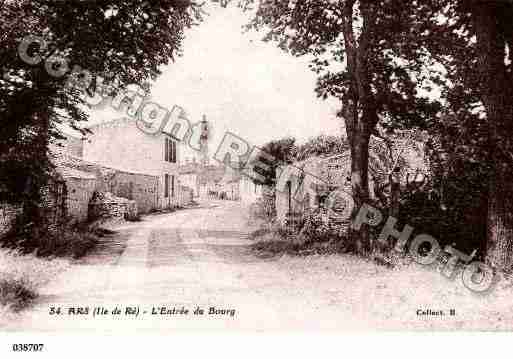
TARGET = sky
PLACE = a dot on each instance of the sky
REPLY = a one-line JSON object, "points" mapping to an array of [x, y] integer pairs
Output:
{"points": [[241, 84]]}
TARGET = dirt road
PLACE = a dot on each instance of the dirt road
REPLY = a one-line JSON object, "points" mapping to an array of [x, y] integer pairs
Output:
{"points": [[177, 263], [195, 258]]}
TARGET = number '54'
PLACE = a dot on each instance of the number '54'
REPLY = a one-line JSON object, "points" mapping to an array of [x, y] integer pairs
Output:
{"points": [[55, 310]]}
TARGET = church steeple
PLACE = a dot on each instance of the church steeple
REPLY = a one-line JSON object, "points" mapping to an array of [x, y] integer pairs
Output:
{"points": [[204, 137]]}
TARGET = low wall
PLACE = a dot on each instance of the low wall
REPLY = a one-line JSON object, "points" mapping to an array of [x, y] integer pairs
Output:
{"points": [[141, 188], [53, 206], [79, 193], [106, 206], [7, 215], [138, 187]]}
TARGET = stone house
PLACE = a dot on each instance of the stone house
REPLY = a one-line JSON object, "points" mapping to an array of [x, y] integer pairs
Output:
{"points": [[239, 187], [135, 171], [308, 183], [83, 179], [120, 144]]}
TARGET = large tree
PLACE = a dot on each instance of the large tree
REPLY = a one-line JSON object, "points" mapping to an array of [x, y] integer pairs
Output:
{"points": [[127, 41], [474, 39], [492, 21], [368, 54]]}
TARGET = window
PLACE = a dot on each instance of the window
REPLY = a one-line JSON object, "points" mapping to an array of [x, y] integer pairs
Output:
{"points": [[166, 149], [169, 150], [166, 185], [289, 195], [173, 186], [131, 191]]}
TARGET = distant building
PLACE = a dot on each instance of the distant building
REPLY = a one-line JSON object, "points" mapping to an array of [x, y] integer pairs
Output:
{"points": [[238, 186], [250, 192], [209, 180], [189, 176]]}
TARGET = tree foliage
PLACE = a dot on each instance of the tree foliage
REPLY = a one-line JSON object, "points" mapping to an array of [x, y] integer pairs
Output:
{"points": [[278, 152], [124, 42], [321, 145], [473, 40], [371, 55]]}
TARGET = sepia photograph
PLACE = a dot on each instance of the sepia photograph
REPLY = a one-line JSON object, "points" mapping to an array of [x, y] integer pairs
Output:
{"points": [[255, 166]]}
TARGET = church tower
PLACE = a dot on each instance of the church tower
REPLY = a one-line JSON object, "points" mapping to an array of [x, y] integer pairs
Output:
{"points": [[204, 138]]}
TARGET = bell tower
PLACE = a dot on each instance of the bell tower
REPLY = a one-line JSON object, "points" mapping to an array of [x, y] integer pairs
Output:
{"points": [[204, 138]]}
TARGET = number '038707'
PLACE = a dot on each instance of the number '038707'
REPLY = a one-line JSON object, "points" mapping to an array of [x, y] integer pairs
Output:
{"points": [[27, 347]]}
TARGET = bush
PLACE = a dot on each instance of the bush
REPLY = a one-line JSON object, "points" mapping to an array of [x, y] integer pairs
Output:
{"points": [[68, 240], [313, 233], [74, 242], [16, 294], [263, 208], [273, 248], [457, 219], [21, 276], [317, 227], [272, 230]]}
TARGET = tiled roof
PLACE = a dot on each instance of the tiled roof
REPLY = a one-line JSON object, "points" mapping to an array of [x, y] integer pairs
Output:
{"points": [[61, 159], [112, 122], [189, 168], [67, 172]]}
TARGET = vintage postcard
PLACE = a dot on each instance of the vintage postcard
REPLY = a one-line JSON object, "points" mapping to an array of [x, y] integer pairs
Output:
{"points": [[278, 165]]}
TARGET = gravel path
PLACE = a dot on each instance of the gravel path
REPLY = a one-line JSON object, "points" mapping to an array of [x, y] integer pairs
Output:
{"points": [[200, 258]]}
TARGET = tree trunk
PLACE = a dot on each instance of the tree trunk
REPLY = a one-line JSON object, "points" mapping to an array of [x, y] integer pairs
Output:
{"points": [[500, 218], [360, 115], [497, 90], [360, 185]]}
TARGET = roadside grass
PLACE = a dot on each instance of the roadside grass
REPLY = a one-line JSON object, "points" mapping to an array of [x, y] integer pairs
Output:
{"points": [[21, 275], [74, 242], [28, 261], [69, 241], [16, 293], [272, 240]]}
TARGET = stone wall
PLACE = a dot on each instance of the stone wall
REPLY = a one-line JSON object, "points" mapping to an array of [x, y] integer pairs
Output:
{"points": [[79, 193], [7, 215], [53, 206], [310, 186], [106, 206], [141, 188], [54, 202], [120, 144]]}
